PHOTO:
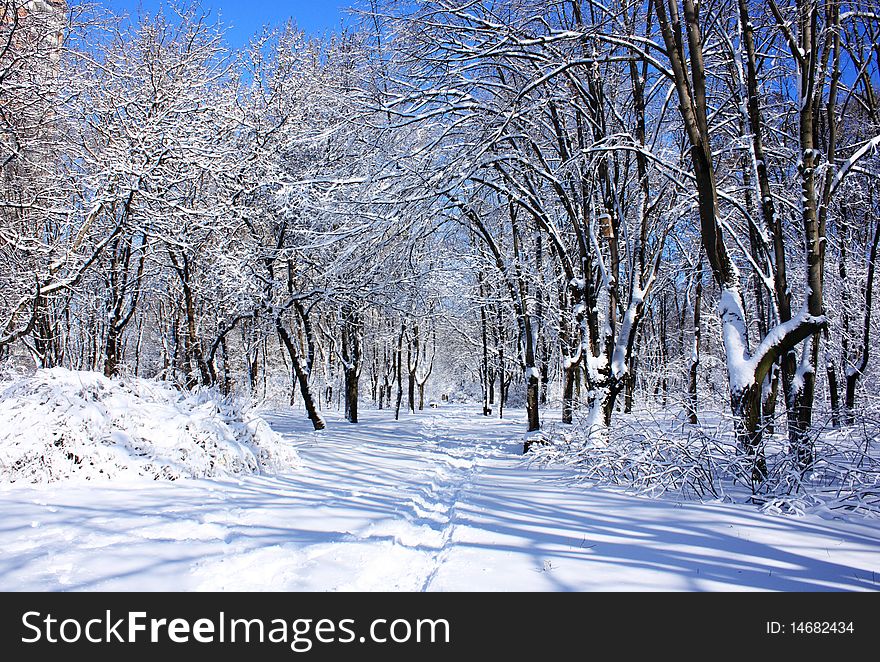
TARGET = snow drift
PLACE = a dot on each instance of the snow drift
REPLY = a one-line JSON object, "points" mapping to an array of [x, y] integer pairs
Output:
{"points": [[63, 424]]}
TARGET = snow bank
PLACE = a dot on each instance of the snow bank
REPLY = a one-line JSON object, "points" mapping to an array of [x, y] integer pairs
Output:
{"points": [[61, 424]]}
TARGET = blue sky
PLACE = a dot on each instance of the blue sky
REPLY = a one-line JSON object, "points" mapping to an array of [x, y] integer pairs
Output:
{"points": [[245, 17]]}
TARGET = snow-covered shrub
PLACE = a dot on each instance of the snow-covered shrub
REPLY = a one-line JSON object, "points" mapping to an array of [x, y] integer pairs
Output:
{"points": [[645, 456], [654, 454], [845, 474], [60, 424]]}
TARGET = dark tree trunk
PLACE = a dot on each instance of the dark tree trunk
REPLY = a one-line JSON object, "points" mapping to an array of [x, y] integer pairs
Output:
{"points": [[532, 402], [412, 363], [399, 372], [505, 392], [302, 377], [533, 385], [852, 380], [351, 395], [253, 370], [630, 393], [501, 394], [568, 375], [746, 406], [124, 297], [695, 356], [137, 348], [663, 384], [351, 360], [614, 390], [111, 351], [385, 392], [224, 354], [484, 337], [545, 379], [771, 395], [833, 393]]}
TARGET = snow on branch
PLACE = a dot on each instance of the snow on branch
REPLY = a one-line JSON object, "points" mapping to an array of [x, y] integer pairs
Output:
{"points": [[744, 368], [868, 149]]}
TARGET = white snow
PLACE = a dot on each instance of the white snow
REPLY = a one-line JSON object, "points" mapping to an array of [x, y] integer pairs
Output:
{"points": [[439, 501], [869, 148], [741, 365], [61, 424], [804, 368], [618, 360], [733, 330]]}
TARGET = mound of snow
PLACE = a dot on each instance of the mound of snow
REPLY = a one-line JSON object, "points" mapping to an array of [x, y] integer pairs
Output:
{"points": [[61, 424]]}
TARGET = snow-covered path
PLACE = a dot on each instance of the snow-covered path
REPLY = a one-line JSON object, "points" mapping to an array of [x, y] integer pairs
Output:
{"points": [[439, 501]]}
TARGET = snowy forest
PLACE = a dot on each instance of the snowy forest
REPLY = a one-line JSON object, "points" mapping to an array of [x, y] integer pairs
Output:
{"points": [[640, 234]]}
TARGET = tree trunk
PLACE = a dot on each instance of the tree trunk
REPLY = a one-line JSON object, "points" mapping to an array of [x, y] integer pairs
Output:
{"points": [[226, 386], [484, 337], [545, 380], [746, 407], [855, 373], [612, 392], [302, 377], [351, 395], [533, 386], [769, 397], [111, 351], [695, 355], [630, 393], [351, 360], [399, 372], [663, 384], [413, 358], [833, 389], [852, 380], [502, 391], [568, 375]]}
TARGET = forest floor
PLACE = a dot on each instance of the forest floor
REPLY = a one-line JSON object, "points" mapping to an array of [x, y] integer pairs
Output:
{"points": [[440, 501]]}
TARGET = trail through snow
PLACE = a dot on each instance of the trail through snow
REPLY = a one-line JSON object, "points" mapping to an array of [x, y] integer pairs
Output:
{"points": [[439, 501]]}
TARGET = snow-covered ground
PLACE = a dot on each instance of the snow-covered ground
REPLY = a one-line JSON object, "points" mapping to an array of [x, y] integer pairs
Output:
{"points": [[439, 501]]}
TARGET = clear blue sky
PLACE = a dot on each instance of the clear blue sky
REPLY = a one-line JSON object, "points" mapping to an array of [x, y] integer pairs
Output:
{"points": [[244, 18]]}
